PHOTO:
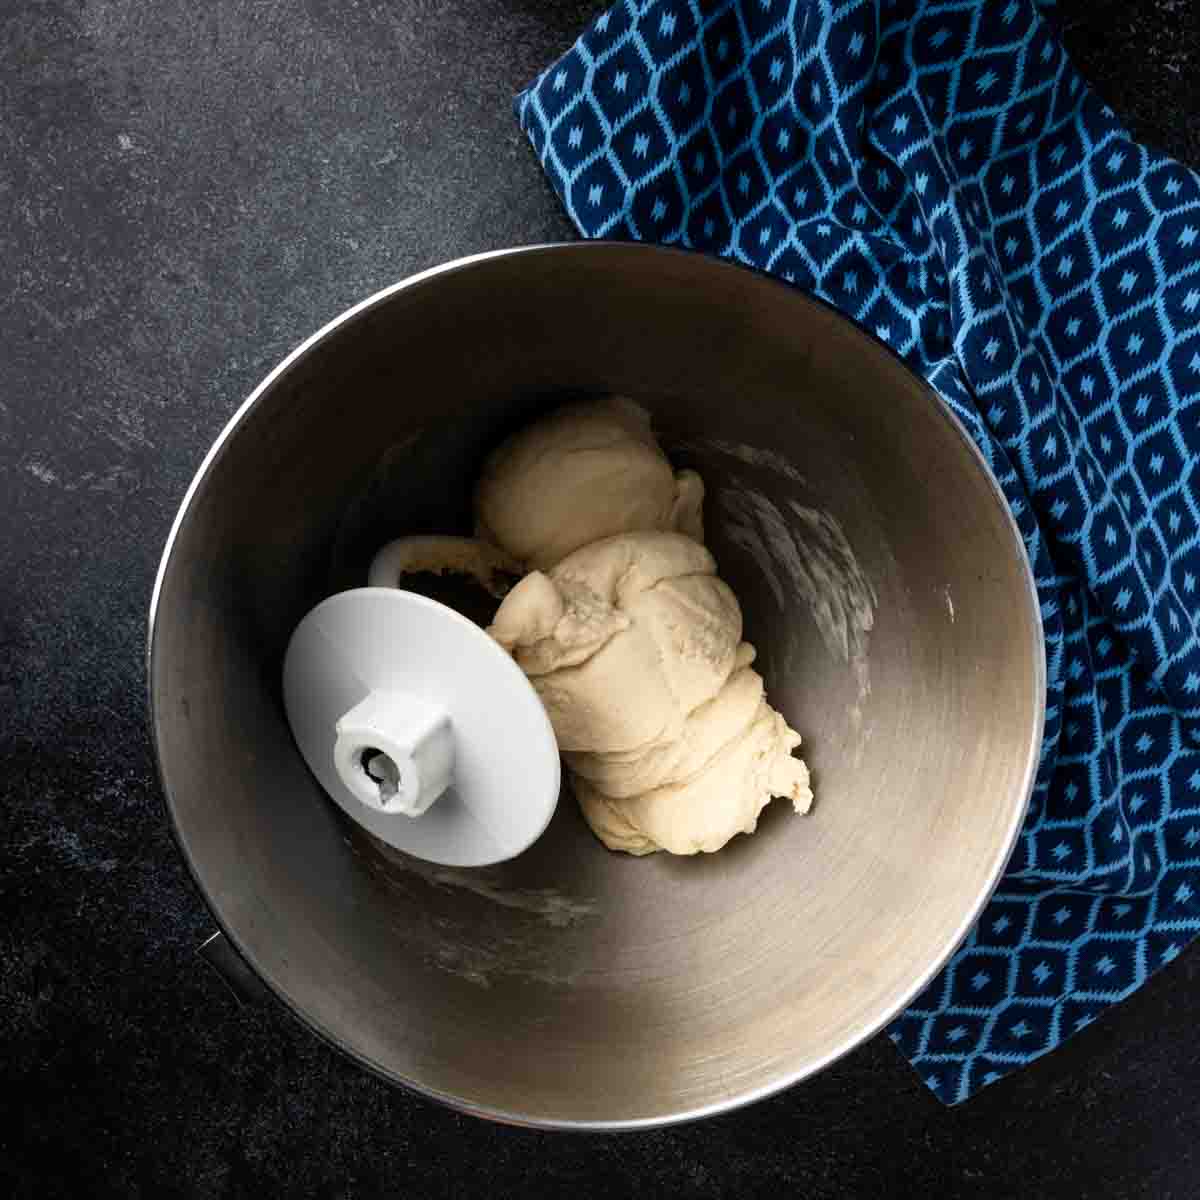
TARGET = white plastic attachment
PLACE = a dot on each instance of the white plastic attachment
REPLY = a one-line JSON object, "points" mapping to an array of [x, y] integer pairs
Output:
{"points": [[421, 727], [395, 752]]}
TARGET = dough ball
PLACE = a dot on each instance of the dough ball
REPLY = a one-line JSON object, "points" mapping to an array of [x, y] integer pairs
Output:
{"points": [[630, 638], [588, 471]]}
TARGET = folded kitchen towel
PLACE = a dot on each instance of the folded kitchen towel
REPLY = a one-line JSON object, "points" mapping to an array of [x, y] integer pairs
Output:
{"points": [[941, 174]]}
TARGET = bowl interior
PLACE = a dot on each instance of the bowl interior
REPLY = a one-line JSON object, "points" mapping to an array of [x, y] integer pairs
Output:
{"points": [[882, 582]]}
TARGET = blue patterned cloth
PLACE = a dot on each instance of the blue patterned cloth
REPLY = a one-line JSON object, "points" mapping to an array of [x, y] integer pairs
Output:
{"points": [[941, 174]]}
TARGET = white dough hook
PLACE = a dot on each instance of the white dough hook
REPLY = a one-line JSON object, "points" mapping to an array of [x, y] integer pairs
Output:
{"points": [[421, 727]]}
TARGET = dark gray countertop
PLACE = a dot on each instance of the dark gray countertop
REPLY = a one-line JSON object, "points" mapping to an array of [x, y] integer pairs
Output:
{"points": [[189, 189]]}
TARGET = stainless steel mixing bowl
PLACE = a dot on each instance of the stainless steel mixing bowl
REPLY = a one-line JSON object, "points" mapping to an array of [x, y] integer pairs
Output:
{"points": [[882, 579]]}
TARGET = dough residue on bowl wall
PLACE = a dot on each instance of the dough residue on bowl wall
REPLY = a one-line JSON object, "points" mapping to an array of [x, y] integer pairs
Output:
{"points": [[474, 941], [800, 550], [752, 456]]}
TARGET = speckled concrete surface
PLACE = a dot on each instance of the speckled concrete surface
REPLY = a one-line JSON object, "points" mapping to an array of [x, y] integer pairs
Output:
{"points": [[188, 190]]}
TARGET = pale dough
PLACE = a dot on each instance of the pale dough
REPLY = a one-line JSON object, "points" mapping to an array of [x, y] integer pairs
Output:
{"points": [[631, 640], [623, 640], [634, 645], [585, 472]]}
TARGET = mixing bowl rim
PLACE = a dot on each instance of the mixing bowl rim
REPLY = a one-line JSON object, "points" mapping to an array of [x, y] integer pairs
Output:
{"points": [[764, 1091]]}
